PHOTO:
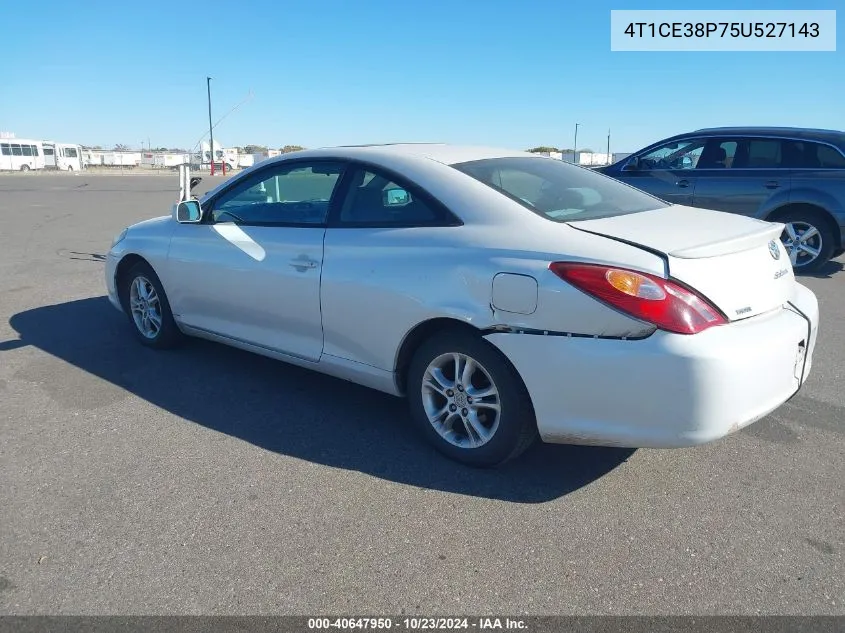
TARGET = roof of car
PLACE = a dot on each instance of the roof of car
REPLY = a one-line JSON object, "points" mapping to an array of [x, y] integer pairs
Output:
{"points": [[830, 136], [440, 152]]}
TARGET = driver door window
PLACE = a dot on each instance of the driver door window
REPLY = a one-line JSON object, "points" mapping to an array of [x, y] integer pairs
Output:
{"points": [[296, 195], [679, 155]]}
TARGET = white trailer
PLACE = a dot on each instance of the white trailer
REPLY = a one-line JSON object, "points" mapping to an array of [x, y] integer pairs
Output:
{"points": [[259, 156], [121, 159], [223, 156], [92, 158], [162, 160], [244, 160]]}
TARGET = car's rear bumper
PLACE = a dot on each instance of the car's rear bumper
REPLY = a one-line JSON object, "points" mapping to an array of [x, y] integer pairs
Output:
{"points": [[668, 390]]}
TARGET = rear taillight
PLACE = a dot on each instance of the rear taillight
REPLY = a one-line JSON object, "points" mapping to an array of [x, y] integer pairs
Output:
{"points": [[665, 304]]}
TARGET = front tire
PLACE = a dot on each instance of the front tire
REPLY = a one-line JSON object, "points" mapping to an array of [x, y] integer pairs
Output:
{"points": [[468, 400], [808, 239], [146, 305], [24, 167]]}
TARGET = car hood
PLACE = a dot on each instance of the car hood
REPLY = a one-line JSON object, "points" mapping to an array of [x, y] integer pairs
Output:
{"points": [[151, 224]]}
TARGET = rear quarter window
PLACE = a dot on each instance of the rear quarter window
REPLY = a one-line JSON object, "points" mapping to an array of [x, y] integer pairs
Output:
{"points": [[830, 157], [559, 191]]}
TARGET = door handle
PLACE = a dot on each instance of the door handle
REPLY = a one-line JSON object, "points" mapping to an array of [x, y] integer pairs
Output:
{"points": [[683, 184], [772, 184], [303, 263]]}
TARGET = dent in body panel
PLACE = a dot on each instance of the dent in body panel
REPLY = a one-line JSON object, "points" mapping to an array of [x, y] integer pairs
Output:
{"points": [[379, 284], [368, 309]]}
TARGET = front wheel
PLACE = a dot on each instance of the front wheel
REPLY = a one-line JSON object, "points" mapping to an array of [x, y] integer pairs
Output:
{"points": [[147, 307], [24, 167], [808, 240], [469, 401]]}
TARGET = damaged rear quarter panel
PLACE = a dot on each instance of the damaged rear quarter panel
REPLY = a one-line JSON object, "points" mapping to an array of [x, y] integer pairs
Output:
{"points": [[562, 309]]}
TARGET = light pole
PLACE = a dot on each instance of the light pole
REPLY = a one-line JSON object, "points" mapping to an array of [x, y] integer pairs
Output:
{"points": [[210, 126], [575, 146]]}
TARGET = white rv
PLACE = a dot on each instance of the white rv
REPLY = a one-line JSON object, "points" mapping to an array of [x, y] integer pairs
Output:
{"points": [[62, 156], [21, 154]]}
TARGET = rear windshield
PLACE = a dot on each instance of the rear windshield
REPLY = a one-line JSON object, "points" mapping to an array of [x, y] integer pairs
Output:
{"points": [[558, 190]]}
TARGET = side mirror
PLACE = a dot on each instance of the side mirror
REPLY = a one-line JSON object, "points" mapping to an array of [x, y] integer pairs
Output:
{"points": [[396, 197], [188, 212], [632, 165]]}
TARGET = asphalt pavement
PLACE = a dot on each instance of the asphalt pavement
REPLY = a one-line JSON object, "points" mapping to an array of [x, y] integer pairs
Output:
{"points": [[206, 480]]}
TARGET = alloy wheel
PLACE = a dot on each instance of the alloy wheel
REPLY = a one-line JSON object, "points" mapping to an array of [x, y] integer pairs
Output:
{"points": [[461, 400], [145, 306], [803, 243]]}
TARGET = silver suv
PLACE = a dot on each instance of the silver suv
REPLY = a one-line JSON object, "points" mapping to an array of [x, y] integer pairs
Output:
{"points": [[790, 175]]}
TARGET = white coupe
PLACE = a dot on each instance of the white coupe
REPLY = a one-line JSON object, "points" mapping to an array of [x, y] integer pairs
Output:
{"points": [[507, 296]]}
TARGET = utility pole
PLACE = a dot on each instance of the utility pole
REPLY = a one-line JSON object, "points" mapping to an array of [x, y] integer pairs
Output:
{"points": [[210, 126], [608, 147], [575, 146]]}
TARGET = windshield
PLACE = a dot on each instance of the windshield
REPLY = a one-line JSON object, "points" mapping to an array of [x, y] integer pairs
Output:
{"points": [[557, 190]]}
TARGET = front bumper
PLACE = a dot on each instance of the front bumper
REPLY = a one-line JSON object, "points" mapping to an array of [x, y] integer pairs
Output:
{"points": [[112, 261], [668, 390]]}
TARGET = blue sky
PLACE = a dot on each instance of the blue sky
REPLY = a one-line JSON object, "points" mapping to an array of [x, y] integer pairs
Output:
{"points": [[515, 74]]}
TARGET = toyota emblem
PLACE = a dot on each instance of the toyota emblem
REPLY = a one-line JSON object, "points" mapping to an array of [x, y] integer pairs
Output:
{"points": [[774, 249]]}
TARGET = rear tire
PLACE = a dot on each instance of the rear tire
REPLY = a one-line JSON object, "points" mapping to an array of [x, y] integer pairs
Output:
{"points": [[481, 416], [808, 238], [145, 304], [24, 167]]}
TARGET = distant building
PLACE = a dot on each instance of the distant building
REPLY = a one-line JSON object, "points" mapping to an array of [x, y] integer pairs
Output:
{"points": [[587, 158]]}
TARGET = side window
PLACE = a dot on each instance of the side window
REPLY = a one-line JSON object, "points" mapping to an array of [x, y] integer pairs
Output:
{"points": [[48, 151], [375, 199], [27, 150], [5, 149], [765, 153], [287, 194], [678, 155], [818, 156], [16, 150], [70, 152], [718, 154], [35, 151]]}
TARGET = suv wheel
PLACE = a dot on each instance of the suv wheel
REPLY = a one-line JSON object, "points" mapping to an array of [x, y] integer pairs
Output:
{"points": [[808, 239]]}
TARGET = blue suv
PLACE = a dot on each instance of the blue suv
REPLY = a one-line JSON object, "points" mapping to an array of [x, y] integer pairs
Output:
{"points": [[791, 175]]}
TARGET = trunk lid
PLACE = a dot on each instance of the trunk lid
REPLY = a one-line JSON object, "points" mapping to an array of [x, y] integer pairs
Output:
{"points": [[735, 262]]}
